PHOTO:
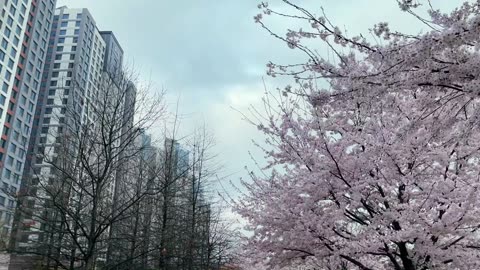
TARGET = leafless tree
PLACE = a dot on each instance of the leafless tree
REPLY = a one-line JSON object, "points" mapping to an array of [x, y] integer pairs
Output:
{"points": [[71, 193], [97, 195]]}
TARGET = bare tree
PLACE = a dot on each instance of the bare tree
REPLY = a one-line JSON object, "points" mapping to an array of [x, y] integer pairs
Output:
{"points": [[222, 239], [73, 188], [198, 208], [100, 194]]}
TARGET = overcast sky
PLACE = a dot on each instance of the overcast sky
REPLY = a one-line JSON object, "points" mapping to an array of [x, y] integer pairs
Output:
{"points": [[211, 55]]}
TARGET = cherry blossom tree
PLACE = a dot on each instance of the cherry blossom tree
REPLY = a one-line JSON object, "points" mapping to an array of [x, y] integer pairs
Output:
{"points": [[373, 158]]}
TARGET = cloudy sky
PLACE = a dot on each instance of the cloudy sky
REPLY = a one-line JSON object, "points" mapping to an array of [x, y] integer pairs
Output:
{"points": [[211, 55]]}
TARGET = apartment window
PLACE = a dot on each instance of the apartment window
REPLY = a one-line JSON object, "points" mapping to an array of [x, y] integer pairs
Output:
{"points": [[16, 177], [18, 166], [18, 30], [13, 148], [56, 65], [2, 56], [10, 21], [64, 24], [13, 10], [7, 32], [65, 16], [58, 57], [8, 75], [76, 32], [72, 57], [48, 110], [53, 83], [77, 24], [2, 201], [55, 74], [79, 16], [10, 64], [61, 40], [50, 101], [51, 92], [2, 100], [16, 41], [63, 32], [10, 161], [5, 87], [7, 174], [59, 48], [13, 52]]}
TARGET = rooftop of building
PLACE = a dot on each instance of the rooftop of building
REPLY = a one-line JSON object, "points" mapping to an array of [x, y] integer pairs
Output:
{"points": [[113, 36]]}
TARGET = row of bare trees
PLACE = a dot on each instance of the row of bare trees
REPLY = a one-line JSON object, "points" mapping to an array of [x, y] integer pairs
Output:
{"points": [[97, 194]]}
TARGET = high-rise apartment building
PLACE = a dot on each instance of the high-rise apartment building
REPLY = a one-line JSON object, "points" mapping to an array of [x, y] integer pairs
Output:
{"points": [[114, 54], [73, 70], [72, 73], [24, 35], [81, 63]]}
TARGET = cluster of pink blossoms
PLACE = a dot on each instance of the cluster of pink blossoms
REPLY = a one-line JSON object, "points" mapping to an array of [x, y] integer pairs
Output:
{"points": [[381, 169]]}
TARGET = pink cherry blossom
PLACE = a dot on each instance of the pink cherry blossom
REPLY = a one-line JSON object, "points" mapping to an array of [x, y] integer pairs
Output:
{"points": [[379, 170]]}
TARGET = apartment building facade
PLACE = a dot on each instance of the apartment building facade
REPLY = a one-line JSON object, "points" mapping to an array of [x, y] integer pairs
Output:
{"points": [[24, 33], [72, 71], [55, 67]]}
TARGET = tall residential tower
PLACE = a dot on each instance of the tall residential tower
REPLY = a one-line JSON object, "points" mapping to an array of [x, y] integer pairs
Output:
{"points": [[81, 61], [24, 35]]}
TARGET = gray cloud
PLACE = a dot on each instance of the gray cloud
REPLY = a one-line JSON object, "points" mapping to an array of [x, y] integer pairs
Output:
{"points": [[189, 45]]}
